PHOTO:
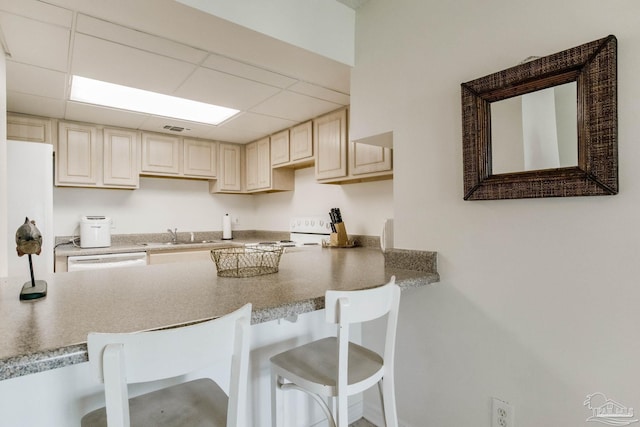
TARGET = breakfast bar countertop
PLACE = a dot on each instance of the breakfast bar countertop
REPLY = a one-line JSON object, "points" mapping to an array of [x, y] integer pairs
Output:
{"points": [[49, 333]]}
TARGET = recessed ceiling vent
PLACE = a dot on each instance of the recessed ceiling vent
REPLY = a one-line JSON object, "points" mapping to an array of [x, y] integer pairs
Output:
{"points": [[174, 128]]}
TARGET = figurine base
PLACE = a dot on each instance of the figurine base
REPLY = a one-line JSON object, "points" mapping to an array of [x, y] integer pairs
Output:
{"points": [[29, 291]]}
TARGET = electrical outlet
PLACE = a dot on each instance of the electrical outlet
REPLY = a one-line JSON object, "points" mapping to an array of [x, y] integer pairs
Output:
{"points": [[502, 414]]}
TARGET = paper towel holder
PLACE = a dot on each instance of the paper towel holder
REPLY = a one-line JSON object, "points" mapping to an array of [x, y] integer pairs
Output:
{"points": [[226, 227]]}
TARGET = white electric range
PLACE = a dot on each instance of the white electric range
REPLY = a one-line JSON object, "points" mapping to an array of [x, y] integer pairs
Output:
{"points": [[307, 231]]}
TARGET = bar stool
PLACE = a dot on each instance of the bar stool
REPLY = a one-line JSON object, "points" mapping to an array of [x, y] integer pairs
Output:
{"points": [[335, 368], [119, 359]]}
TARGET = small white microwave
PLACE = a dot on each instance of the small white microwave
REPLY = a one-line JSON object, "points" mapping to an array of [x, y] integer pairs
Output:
{"points": [[95, 232]]}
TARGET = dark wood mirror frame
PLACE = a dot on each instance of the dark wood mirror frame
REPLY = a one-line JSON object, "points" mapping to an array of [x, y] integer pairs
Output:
{"points": [[593, 66]]}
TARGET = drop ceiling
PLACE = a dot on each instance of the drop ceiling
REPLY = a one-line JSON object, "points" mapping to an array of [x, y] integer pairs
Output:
{"points": [[166, 47]]}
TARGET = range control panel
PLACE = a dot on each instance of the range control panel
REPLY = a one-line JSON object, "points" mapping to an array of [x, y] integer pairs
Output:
{"points": [[310, 224]]}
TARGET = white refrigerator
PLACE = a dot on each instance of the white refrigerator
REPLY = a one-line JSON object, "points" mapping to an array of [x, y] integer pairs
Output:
{"points": [[30, 194]]}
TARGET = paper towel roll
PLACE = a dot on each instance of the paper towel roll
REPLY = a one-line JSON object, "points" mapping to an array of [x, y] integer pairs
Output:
{"points": [[226, 227]]}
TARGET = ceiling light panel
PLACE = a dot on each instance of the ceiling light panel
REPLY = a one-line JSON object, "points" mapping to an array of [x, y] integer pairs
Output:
{"points": [[127, 98]]}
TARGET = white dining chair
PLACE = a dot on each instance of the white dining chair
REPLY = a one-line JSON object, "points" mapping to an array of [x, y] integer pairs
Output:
{"points": [[119, 359], [336, 368]]}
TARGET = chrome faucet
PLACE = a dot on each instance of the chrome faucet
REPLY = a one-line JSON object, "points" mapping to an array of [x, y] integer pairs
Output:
{"points": [[174, 235]]}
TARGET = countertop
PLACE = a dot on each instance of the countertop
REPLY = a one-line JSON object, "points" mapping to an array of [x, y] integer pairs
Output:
{"points": [[128, 247], [44, 334]]}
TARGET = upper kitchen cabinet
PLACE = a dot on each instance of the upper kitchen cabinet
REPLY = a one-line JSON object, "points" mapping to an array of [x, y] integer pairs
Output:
{"points": [[200, 158], [301, 144], [173, 156], [89, 156], [77, 155], [293, 148], [341, 162], [330, 136], [229, 169], [370, 160], [29, 128], [260, 176], [280, 148], [120, 158], [258, 165], [160, 154]]}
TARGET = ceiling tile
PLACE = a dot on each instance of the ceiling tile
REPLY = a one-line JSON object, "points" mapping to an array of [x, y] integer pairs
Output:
{"points": [[195, 130], [115, 63], [223, 89], [261, 124], [238, 136], [320, 92], [36, 43], [34, 105], [106, 116], [39, 11], [293, 106], [230, 66], [137, 39], [35, 80]]}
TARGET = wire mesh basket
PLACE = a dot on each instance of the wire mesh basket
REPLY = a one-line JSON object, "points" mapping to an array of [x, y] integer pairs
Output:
{"points": [[247, 261]]}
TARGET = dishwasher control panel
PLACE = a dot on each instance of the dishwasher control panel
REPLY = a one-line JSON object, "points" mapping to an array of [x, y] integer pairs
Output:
{"points": [[95, 262]]}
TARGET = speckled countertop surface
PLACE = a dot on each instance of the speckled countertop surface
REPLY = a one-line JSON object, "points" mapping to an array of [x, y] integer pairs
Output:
{"points": [[160, 242], [49, 333]]}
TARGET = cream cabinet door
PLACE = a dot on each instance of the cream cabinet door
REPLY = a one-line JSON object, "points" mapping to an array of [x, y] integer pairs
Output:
{"points": [[264, 163], [200, 158], [120, 158], [230, 172], [330, 136], [251, 165], [27, 128], [160, 154], [366, 159], [258, 165], [301, 142], [280, 148], [77, 155]]}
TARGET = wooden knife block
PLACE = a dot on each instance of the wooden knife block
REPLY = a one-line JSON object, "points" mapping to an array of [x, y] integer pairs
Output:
{"points": [[339, 238]]}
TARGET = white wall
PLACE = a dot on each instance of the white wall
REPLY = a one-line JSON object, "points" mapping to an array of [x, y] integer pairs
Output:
{"points": [[187, 204], [538, 302], [364, 206], [3, 167], [323, 27], [158, 204]]}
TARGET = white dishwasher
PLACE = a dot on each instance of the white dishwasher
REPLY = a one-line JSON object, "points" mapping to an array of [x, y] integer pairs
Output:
{"points": [[94, 262]]}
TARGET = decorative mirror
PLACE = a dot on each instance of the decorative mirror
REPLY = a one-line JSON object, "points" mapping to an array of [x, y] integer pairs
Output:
{"points": [[590, 72]]}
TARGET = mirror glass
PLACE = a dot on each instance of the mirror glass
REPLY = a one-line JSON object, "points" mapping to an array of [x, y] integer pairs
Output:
{"points": [[535, 131]]}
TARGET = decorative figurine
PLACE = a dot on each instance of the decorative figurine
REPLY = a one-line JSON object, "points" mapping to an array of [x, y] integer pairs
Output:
{"points": [[29, 241]]}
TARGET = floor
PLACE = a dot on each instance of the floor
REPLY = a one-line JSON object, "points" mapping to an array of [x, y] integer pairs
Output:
{"points": [[362, 423]]}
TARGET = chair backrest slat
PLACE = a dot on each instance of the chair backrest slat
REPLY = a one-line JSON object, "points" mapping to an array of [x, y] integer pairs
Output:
{"points": [[363, 305], [119, 359], [173, 351], [347, 307]]}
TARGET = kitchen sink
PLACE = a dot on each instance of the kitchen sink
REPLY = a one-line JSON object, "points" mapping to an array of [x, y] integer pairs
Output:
{"points": [[160, 244]]}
